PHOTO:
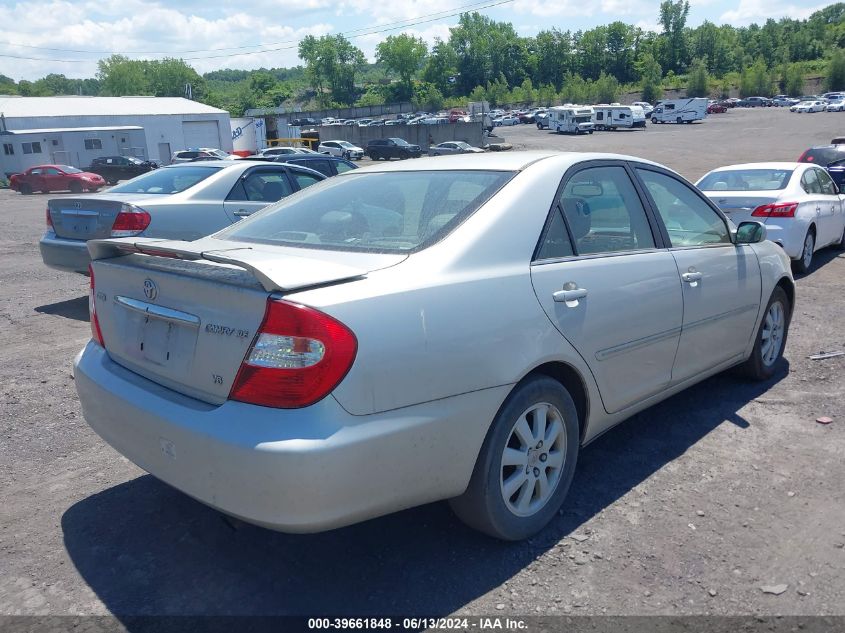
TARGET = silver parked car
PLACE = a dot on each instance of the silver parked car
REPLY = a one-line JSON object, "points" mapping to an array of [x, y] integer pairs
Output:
{"points": [[451, 329], [453, 147], [185, 201]]}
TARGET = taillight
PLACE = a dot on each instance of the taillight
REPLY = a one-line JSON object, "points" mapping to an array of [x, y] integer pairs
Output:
{"points": [[49, 220], [298, 356], [130, 221], [96, 333], [780, 210], [804, 158]]}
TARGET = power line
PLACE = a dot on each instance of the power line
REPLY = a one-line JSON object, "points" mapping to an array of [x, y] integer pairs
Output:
{"points": [[355, 33]]}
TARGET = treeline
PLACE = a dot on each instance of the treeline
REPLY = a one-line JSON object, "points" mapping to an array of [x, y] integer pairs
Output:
{"points": [[486, 59]]}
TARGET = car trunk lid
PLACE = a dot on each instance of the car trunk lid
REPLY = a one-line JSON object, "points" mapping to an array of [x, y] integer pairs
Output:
{"points": [[739, 205], [184, 315], [88, 217]]}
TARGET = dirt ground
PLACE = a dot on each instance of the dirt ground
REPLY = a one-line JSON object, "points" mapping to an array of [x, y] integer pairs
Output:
{"points": [[692, 507]]}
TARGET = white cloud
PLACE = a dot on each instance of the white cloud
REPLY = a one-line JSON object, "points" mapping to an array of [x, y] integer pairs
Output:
{"points": [[749, 11]]}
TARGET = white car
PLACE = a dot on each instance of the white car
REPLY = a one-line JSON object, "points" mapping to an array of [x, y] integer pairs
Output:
{"points": [[283, 151], [342, 149], [408, 332], [645, 105], [798, 202], [808, 106], [363, 122], [506, 120], [836, 106], [198, 154]]}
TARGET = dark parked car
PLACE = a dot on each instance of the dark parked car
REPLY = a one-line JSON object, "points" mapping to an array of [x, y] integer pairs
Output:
{"points": [[304, 121], [832, 158], [388, 148], [115, 168], [326, 165], [755, 102], [716, 108]]}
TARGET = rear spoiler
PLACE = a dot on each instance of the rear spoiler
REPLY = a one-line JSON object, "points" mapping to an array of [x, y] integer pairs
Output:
{"points": [[274, 272]]}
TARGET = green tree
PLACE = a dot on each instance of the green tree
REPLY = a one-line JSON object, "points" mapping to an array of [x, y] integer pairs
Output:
{"points": [[699, 79], [792, 80], [673, 18], [404, 55], [331, 63], [441, 67], [651, 76], [755, 80], [605, 89], [836, 71], [120, 76], [169, 77], [428, 97]]}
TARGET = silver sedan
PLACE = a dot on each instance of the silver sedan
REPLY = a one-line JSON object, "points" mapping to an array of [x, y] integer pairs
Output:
{"points": [[184, 201], [453, 147], [455, 329]]}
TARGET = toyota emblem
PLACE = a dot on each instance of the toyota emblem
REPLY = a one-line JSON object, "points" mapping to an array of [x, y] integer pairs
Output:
{"points": [[150, 289]]}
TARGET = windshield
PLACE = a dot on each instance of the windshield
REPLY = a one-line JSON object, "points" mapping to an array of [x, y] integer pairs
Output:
{"points": [[345, 144], [746, 180], [377, 212], [134, 161], [166, 180], [400, 141], [69, 170], [823, 155]]}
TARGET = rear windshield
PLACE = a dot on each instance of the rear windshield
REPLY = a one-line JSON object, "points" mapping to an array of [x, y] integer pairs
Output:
{"points": [[824, 155], [167, 180], [376, 212], [746, 180]]}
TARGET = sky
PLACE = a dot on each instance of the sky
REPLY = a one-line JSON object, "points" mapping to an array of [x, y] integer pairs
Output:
{"points": [[211, 35]]}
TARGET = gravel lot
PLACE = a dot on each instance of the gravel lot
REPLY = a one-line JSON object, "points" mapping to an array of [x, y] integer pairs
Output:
{"points": [[689, 508]]}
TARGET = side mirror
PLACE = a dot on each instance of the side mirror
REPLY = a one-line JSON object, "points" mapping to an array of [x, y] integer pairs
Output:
{"points": [[750, 233]]}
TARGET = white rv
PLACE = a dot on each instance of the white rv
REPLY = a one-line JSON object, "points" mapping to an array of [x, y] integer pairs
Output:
{"points": [[571, 119], [610, 117], [679, 110]]}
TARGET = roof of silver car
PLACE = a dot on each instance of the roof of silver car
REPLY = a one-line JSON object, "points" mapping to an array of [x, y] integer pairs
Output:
{"points": [[504, 161]]}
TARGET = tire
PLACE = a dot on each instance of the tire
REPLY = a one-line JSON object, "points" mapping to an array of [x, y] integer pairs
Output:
{"points": [[75, 187], [25, 190], [771, 338], [841, 243], [93, 189], [679, 120], [484, 506], [653, 120], [111, 183], [539, 127], [805, 262]]}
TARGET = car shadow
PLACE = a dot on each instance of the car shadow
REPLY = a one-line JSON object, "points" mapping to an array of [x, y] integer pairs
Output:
{"points": [[76, 309], [146, 549], [820, 259]]}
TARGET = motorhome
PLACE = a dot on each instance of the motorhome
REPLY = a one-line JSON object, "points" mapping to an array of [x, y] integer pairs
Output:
{"points": [[571, 119], [680, 110], [613, 116]]}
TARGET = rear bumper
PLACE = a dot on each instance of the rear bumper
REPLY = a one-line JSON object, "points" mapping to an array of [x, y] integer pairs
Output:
{"points": [[788, 234], [65, 255], [301, 470]]}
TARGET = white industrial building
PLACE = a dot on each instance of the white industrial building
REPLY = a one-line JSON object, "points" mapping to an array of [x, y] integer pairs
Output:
{"points": [[74, 130]]}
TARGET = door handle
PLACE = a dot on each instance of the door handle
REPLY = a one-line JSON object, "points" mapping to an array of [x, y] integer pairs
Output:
{"points": [[692, 278], [566, 296], [241, 213]]}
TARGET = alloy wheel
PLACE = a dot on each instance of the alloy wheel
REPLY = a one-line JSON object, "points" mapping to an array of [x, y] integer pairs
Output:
{"points": [[533, 459], [772, 333]]}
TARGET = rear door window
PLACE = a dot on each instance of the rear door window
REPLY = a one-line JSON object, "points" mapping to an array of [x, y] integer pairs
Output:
{"points": [[304, 180], [604, 212], [262, 186], [810, 183], [825, 182]]}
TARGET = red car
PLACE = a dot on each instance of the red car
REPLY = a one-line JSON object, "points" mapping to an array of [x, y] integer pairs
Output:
{"points": [[47, 178], [716, 108]]}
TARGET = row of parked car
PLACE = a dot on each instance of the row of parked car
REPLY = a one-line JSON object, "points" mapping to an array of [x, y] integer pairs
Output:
{"points": [[481, 317]]}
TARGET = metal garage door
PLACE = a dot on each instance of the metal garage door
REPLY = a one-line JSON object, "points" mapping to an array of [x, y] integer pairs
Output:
{"points": [[201, 134]]}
